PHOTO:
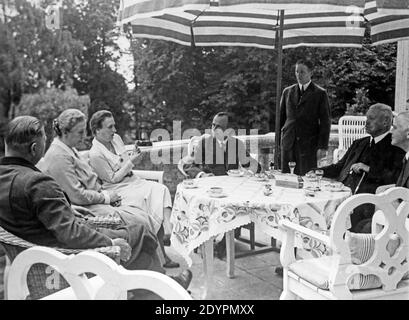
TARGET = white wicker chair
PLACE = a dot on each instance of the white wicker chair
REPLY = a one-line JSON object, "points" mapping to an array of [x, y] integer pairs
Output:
{"points": [[350, 128], [361, 266], [111, 282]]}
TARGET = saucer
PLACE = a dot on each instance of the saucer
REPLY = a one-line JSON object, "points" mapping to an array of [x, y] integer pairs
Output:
{"points": [[259, 178], [190, 187], [335, 188], [216, 195]]}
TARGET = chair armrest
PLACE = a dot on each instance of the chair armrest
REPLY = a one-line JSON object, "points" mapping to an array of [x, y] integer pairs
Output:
{"points": [[335, 156], [150, 175], [9, 239], [311, 233], [112, 252]]}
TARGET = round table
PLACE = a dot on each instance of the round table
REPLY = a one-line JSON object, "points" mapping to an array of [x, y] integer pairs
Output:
{"points": [[198, 217]]}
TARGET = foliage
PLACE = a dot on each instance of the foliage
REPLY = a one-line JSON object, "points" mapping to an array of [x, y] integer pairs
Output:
{"points": [[93, 22], [361, 103], [33, 57], [191, 85], [173, 82], [47, 104]]}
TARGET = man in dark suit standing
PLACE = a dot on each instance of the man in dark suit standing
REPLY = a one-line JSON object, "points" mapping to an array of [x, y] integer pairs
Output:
{"points": [[304, 121], [369, 163], [220, 152]]}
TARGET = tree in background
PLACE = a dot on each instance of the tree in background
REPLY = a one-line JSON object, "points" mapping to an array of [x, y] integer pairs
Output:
{"points": [[93, 22], [32, 57], [173, 82], [47, 104]]}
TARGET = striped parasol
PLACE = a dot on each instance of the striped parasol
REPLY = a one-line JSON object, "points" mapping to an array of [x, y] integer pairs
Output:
{"points": [[389, 20], [277, 24], [253, 23], [237, 23]]}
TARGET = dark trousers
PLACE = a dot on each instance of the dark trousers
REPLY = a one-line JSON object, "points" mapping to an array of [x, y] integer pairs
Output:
{"points": [[361, 218], [305, 159]]}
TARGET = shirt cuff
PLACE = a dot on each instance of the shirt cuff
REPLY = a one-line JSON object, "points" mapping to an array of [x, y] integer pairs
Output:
{"points": [[200, 174], [106, 196]]}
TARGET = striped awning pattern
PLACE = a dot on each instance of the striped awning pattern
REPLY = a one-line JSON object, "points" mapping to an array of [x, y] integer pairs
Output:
{"points": [[389, 20], [253, 23]]}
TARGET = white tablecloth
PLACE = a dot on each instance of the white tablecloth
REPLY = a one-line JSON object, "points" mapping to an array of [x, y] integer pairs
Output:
{"points": [[197, 216]]}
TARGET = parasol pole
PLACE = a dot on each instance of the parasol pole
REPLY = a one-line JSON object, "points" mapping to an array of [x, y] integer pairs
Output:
{"points": [[279, 47]]}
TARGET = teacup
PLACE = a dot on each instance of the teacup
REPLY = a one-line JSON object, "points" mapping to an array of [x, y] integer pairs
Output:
{"points": [[216, 190]]}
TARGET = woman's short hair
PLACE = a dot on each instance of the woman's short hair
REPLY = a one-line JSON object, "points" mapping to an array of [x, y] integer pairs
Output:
{"points": [[67, 120], [97, 118], [22, 132]]}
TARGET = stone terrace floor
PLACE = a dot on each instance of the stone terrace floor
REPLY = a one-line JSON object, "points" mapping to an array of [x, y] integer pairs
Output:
{"points": [[255, 278]]}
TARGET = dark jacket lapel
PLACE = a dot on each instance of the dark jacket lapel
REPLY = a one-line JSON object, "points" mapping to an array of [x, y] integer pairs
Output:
{"points": [[405, 177], [307, 93]]}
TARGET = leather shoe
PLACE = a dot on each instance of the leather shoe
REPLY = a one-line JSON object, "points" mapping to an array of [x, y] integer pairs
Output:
{"points": [[184, 278], [171, 264]]}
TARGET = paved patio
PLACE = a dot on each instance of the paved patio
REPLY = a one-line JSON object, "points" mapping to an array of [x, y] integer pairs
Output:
{"points": [[255, 278]]}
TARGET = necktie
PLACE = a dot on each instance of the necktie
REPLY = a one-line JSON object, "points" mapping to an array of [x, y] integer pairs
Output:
{"points": [[301, 93]]}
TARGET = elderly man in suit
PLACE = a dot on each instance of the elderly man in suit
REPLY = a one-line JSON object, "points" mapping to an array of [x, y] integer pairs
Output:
{"points": [[369, 163], [304, 121], [220, 152], [400, 139], [35, 208]]}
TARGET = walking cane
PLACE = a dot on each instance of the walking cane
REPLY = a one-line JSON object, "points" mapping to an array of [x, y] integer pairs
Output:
{"points": [[359, 183]]}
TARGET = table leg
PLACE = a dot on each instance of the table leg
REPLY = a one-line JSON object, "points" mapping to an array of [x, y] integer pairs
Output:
{"points": [[207, 251], [230, 253]]}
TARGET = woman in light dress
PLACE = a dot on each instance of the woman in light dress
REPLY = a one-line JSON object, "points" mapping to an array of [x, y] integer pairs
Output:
{"points": [[110, 160]]}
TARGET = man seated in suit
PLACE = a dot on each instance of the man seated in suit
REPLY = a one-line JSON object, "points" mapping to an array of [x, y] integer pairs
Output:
{"points": [[369, 163], [35, 208], [400, 139], [220, 152]]}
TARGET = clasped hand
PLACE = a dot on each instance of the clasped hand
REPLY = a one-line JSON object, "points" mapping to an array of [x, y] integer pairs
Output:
{"points": [[359, 167], [136, 155], [115, 198], [125, 248]]}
